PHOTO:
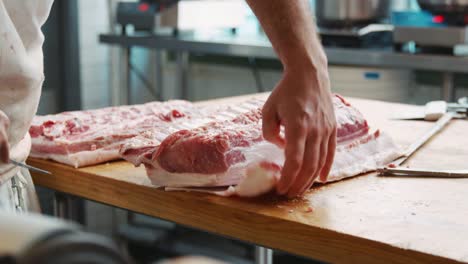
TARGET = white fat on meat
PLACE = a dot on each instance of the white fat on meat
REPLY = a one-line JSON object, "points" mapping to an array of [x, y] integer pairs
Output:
{"points": [[259, 179], [128, 132], [363, 155], [253, 178], [137, 149], [82, 158], [101, 132], [226, 154]]}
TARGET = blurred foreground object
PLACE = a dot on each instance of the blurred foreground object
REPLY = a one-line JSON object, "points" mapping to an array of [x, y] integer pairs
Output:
{"points": [[29, 238]]}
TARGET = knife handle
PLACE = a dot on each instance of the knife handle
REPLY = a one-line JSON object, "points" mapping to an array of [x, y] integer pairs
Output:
{"points": [[435, 110]]}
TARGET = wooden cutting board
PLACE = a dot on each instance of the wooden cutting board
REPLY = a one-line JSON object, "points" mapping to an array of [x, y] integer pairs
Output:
{"points": [[365, 219]]}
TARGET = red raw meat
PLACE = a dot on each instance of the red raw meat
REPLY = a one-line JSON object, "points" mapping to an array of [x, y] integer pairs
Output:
{"points": [[220, 153], [142, 147], [185, 146], [213, 148], [82, 138], [210, 148]]}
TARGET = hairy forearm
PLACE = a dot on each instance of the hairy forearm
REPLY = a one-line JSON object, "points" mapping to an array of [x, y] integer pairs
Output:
{"points": [[291, 30]]}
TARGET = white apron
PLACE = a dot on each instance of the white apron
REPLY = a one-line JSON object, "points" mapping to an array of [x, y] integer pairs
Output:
{"points": [[21, 78]]}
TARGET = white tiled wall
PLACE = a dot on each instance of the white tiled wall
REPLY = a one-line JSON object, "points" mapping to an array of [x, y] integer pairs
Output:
{"points": [[207, 81], [93, 57]]}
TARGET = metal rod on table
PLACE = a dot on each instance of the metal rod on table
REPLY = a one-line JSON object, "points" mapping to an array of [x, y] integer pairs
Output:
{"points": [[411, 172], [182, 73], [439, 125], [263, 255], [448, 87]]}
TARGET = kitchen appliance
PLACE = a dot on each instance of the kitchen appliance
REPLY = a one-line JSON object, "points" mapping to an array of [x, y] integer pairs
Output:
{"points": [[142, 14], [174, 16], [350, 13], [369, 36], [444, 6], [446, 32], [353, 23]]}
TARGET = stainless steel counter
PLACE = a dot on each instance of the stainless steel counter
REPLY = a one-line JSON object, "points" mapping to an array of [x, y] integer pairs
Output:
{"points": [[260, 47]]}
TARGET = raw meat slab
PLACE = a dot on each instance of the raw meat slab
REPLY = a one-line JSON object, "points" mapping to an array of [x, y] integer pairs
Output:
{"points": [[82, 138], [222, 153]]}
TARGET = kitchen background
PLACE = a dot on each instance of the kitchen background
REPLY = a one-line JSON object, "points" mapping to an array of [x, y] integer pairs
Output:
{"points": [[214, 76], [82, 74]]}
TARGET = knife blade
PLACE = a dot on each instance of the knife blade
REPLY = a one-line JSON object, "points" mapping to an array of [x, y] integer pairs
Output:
{"points": [[26, 166]]}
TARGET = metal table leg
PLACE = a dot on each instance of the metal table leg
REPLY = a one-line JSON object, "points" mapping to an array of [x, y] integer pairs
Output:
{"points": [[69, 208], [61, 209], [114, 75], [120, 92], [448, 87], [263, 255], [182, 73], [159, 75]]}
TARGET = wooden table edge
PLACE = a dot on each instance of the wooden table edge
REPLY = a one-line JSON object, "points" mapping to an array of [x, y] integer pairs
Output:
{"points": [[318, 243]]}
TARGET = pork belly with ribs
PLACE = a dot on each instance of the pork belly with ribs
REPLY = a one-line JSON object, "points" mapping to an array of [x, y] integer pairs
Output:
{"points": [[82, 138], [233, 152]]}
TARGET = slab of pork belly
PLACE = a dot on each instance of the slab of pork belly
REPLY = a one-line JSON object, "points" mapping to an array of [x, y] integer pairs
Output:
{"points": [[220, 153]]}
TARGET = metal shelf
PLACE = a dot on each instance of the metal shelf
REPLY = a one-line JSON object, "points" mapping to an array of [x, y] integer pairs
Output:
{"points": [[260, 47]]}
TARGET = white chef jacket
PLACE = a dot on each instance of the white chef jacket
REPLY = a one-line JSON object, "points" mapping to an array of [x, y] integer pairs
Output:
{"points": [[21, 78]]}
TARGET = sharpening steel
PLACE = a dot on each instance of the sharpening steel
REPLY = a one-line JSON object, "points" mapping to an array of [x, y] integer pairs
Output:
{"points": [[438, 126], [423, 173], [394, 170], [26, 166]]}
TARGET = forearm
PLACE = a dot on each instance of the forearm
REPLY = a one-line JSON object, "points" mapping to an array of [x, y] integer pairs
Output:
{"points": [[291, 30]]}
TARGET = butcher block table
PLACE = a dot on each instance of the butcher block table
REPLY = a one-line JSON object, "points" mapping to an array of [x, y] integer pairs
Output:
{"points": [[365, 219]]}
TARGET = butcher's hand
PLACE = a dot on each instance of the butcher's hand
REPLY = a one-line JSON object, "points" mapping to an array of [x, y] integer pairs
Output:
{"points": [[4, 147], [302, 103]]}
